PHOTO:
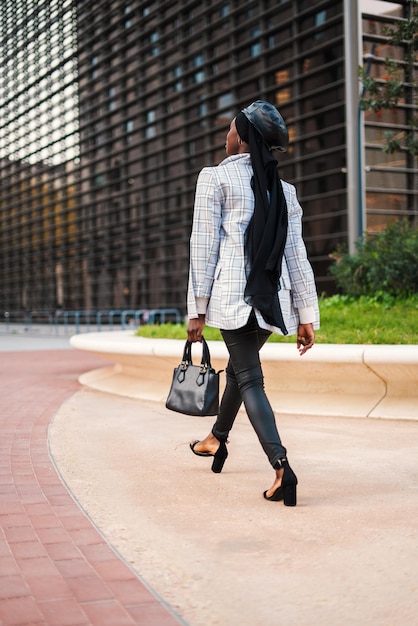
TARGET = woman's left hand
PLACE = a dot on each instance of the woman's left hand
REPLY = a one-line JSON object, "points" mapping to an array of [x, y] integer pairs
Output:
{"points": [[306, 338]]}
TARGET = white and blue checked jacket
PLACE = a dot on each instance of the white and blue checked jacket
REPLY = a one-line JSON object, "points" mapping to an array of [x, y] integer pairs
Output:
{"points": [[224, 204]]}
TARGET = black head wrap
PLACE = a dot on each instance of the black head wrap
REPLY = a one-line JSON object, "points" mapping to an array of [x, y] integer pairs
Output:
{"points": [[266, 233]]}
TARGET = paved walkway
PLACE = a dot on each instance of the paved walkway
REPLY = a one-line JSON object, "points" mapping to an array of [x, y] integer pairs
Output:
{"points": [[55, 567], [208, 544]]}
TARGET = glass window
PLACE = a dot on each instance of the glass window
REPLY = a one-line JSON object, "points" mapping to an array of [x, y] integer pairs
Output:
{"points": [[225, 100], [225, 10], [199, 77], [150, 132], [320, 18], [255, 49]]}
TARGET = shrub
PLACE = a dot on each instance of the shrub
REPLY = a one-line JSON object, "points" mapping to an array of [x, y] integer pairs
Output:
{"points": [[385, 264]]}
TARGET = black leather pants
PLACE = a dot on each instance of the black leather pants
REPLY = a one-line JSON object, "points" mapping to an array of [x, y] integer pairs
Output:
{"points": [[245, 383]]}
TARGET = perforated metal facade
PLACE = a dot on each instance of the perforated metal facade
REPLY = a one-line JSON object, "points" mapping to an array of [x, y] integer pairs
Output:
{"points": [[110, 108]]}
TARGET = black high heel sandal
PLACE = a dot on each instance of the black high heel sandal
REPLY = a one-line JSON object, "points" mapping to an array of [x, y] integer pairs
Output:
{"points": [[287, 490], [219, 457]]}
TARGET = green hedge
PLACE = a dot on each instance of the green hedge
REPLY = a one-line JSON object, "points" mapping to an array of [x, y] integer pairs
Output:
{"points": [[344, 319]]}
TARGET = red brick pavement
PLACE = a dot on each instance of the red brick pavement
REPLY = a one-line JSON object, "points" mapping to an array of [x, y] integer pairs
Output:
{"points": [[55, 568]]}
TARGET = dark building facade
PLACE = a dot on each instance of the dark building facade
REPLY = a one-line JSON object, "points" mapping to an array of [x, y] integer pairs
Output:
{"points": [[110, 108]]}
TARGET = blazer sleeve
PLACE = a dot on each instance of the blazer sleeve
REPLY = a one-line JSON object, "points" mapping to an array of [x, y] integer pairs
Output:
{"points": [[301, 275], [204, 241]]}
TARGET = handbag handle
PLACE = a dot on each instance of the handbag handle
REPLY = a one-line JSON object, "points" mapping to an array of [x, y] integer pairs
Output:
{"points": [[187, 355], [205, 363]]}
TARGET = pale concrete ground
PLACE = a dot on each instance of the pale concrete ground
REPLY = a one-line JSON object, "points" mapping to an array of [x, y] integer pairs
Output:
{"points": [[36, 336], [21, 343], [220, 554]]}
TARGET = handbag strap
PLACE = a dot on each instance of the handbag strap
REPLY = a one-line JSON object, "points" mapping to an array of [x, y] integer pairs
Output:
{"points": [[205, 353], [187, 354]]}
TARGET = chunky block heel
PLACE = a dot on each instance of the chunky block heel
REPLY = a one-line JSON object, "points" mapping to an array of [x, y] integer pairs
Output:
{"points": [[287, 490], [219, 458], [289, 495]]}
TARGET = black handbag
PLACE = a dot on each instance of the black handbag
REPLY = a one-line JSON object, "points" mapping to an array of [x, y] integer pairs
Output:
{"points": [[194, 388]]}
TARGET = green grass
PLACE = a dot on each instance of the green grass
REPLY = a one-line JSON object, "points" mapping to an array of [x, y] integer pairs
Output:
{"points": [[343, 320]]}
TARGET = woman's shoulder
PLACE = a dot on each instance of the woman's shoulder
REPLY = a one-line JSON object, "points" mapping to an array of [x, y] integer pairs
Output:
{"points": [[227, 170], [206, 175], [288, 187], [235, 162], [289, 192]]}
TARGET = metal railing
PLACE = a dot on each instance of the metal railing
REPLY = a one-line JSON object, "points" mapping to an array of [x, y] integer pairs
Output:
{"points": [[73, 321]]}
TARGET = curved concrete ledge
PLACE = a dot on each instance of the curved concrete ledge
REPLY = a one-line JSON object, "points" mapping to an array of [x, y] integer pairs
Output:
{"points": [[331, 379]]}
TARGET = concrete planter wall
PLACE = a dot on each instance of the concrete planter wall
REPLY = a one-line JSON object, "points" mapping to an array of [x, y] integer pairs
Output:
{"points": [[341, 380]]}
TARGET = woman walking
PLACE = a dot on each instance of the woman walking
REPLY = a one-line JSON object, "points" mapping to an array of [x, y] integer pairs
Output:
{"points": [[249, 276]]}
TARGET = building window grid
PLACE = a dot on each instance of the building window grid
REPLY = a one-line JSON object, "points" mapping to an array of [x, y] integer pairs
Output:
{"points": [[390, 190], [166, 197]]}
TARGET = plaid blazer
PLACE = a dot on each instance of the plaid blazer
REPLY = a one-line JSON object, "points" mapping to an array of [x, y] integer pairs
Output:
{"points": [[224, 204]]}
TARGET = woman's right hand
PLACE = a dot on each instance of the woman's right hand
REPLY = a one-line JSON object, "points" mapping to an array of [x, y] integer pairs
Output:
{"points": [[306, 338], [195, 329]]}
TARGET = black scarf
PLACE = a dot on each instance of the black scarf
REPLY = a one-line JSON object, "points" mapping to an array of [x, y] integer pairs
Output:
{"points": [[266, 234]]}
